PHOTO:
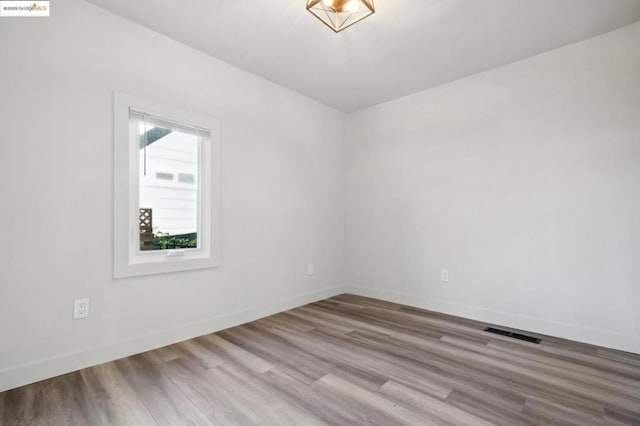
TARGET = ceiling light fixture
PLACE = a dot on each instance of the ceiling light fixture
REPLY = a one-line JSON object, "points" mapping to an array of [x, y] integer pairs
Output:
{"points": [[340, 14]]}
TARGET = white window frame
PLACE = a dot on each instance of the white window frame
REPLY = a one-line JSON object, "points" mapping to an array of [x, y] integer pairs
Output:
{"points": [[129, 260]]}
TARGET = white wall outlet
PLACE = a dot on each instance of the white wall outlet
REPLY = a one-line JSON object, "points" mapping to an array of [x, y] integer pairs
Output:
{"points": [[310, 269], [444, 275], [80, 309]]}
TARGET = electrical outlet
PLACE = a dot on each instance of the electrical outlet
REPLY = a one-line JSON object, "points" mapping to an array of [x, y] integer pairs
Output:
{"points": [[444, 275], [310, 269], [80, 309]]}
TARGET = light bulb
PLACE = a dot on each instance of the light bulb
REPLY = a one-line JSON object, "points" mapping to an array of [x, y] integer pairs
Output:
{"points": [[342, 5], [352, 6]]}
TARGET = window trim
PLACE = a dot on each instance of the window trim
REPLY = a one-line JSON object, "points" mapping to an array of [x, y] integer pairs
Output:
{"points": [[129, 261]]}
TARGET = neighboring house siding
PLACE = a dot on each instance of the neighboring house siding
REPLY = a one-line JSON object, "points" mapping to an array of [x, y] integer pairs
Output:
{"points": [[171, 163]]}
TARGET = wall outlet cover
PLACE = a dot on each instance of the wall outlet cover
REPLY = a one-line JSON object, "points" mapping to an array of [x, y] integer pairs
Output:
{"points": [[80, 308]]}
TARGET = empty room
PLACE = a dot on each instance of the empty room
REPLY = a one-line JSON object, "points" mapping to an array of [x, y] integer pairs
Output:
{"points": [[320, 212]]}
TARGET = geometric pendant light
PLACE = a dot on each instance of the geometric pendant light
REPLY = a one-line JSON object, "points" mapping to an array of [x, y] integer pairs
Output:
{"points": [[340, 14]]}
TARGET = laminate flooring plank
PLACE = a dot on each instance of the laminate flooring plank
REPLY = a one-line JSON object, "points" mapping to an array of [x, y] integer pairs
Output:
{"points": [[449, 318], [537, 418], [587, 370], [611, 421], [373, 312], [21, 406], [317, 322], [210, 398], [442, 369], [258, 398], [228, 394], [404, 322], [342, 304], [592, 360], [363, 407], [302, 365], [487, 407], [286, 323], [342, 320], [472, 376], [65, 401], [548, 378], [164, 400], [61, 400], [294, 392], [115, 401], [367, 301], [228, 352], [561, 413], [195, 349], [434, 409], [345, 364], [401, 370], [622, 417], [397, 325], [619, 356], [609, 384], [531, 376], [164, 354]]}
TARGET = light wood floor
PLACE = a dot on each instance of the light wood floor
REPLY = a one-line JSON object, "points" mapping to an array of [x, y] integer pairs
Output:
{"points": [[345, 360]]}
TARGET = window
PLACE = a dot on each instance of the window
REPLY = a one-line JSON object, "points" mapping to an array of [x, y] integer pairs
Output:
{"points": [[164, 224], [160, 175], [186, 178]]}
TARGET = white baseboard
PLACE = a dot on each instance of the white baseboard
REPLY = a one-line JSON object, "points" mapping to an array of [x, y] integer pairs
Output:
{"points": [[605, 338], [32, 372]]}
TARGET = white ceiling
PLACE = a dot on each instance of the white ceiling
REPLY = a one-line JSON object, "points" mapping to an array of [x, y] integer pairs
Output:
{"points": [[406, 46]]}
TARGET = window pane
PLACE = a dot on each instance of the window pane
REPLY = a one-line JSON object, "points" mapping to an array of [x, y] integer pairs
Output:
{"points": [[168, 208], [186, 178], [164, 176]]}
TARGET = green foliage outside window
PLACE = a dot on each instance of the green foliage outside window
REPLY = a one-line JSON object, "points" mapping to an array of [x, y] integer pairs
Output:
{"points": [[162, 241]]}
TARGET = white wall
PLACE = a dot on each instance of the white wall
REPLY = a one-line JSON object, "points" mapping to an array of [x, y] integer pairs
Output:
{"points": [[282, 190], [524, 181]]}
